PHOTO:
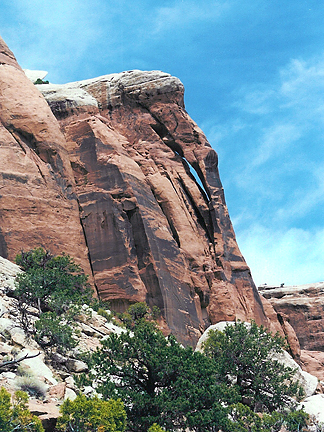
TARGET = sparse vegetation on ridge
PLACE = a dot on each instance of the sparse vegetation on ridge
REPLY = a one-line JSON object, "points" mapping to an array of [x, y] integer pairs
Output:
{"points": [[158, 384], [40, 81]]}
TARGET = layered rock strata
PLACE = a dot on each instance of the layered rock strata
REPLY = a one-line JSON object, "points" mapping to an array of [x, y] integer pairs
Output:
{"points": [[114, 172], [303, 306]]}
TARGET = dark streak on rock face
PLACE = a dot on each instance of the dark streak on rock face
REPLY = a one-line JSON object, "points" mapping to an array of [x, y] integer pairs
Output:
{"points": [[3, 246], [155, 232], [108, 181]]}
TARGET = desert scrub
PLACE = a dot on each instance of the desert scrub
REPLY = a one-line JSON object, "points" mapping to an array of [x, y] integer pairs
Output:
{"points": [[51, 331], [24, 371], [91, 415], [15, 416], [31, 385], [57, 288], [105, 314]]}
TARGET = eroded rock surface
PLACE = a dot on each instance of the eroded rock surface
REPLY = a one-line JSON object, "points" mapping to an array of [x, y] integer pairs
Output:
{"points": [[124, 181], [38, 206], [154, 231], [303, 306]]}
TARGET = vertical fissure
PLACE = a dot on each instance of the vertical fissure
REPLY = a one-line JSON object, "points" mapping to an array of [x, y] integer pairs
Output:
{"points": [[144, 263], [200, 218], [87, 245]]}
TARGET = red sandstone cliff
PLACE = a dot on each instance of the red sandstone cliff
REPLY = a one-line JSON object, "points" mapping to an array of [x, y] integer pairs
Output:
{"points": [[107, 172], [303, 305]]}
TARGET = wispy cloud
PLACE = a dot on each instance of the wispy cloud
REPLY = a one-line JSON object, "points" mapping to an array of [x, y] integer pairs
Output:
{"points": [[279, 220], [274, 141], [285, 123], [298, 91], [293, 256], [300, 203], [189, 12]]}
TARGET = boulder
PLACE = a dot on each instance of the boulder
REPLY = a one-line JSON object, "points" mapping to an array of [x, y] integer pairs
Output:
{"points": [[70, 394], [48, 412], [34, 75], [70, 382], [314, 406], [307, 381], [57, 391], [313, 362], [76, 366], [220, 326], [37, 365]]}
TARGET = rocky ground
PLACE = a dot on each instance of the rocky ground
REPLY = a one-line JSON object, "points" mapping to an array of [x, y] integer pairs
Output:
{"points": [[48, 383]]}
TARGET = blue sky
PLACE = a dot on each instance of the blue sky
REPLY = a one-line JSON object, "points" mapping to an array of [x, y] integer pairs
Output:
{"points": [[254, 78]]}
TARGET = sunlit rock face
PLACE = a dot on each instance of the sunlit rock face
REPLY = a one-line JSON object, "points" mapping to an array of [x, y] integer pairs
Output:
{"points": [[303, 305], [114, 172], [38, 206]]}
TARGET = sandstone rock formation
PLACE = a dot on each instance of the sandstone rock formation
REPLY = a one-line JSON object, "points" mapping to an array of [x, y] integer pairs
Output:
{"points": [[37, 204], [303, 305], [124, 181]]}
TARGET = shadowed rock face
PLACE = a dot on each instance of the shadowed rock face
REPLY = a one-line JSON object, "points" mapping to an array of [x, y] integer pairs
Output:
{"points": [[113, 181]]}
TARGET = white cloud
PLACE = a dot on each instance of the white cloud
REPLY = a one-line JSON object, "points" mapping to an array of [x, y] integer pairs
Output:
{"points": [[302, 89], [301, 203], [276, 256], [189, 12], [258, 100], [275, 140], [285, 124], [298, 91]]}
